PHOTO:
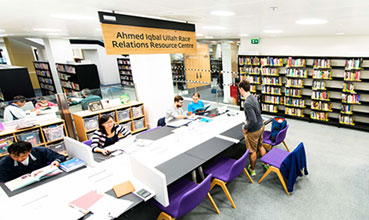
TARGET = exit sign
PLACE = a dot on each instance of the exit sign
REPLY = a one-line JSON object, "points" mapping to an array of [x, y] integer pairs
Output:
{"points": [[255, 41]]}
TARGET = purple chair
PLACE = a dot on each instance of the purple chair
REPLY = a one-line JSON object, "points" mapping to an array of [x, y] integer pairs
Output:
{"points": [[88, 142], [184, 196], [225, 170], [276, 158], [279, 138]]}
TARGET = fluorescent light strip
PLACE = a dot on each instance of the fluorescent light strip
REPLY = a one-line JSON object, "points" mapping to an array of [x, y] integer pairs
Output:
{"points": [[311, 21], [47, 29], [1, 30]]}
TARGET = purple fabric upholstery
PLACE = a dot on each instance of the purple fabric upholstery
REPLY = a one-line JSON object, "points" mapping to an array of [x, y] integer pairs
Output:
{"points": [[280, 137], [275, 157], [185, 195], [88, 142], [148, 130], [226, 169]]}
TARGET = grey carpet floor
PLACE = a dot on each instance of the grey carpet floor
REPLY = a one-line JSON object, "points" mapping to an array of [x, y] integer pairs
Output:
{"points": [[337, 186]]}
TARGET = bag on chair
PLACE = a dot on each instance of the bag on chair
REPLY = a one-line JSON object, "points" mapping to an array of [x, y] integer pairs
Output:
{"points": [[278, 124]]}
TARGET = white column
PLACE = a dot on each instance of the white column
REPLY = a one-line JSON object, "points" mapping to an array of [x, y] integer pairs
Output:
{"points": [[152, 75], [57, 51], [227, 68]]}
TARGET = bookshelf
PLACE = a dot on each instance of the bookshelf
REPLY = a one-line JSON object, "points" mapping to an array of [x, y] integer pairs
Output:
{"points": [[125, 71], [75, 77], [132, 116], [46, 134], [327, 90], [179, 74], [45, 78]]}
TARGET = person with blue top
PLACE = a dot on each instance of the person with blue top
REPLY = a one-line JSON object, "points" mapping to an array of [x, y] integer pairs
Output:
{"points": [[195, 104]]}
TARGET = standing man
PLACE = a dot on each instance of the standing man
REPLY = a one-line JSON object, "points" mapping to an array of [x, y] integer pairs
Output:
{"points": [[13, 111], [254, 126], [176, 111]]}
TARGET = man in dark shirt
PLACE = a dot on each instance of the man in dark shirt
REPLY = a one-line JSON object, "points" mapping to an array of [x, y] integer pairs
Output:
{"points": [[23, 159], [254, 125]]}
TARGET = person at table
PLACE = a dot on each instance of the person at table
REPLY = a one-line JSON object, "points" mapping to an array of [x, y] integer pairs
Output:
{"points": [[107, 134], [23, 159], [43, 103], [88, 97], [254, 126], [176, 111], [13, 111], [195, 104]]}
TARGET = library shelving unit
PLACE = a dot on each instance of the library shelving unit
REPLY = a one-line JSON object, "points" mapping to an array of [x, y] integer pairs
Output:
{"points": [[179, 74], [48, 134], [215, 67], [131, 116], [75, 77], [45, 78], [249, 67], [15, 81], [327, 90], [125, 71]]}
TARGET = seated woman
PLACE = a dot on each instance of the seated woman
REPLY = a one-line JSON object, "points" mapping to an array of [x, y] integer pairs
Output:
{"points": [[107, 134], [43, 103], [195, 104], [23, 159]]}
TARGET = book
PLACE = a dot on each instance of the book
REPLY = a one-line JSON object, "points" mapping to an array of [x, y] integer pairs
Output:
{"points": [[201, 110], [33, 177], [123, 188], [72, 164]]}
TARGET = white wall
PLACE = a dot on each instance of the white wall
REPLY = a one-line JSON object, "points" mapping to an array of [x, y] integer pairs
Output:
{"points": [[107, 65], [308, 46], [227, 68], [152, 75]]}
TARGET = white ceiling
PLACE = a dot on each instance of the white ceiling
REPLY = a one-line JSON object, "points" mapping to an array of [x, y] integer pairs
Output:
{"points": [[20, 17]]}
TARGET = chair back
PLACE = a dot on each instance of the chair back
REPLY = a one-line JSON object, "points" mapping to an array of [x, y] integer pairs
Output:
{"points": [[194, 197], [238, 166], [161, 122], [281, 135], [88, 142]]}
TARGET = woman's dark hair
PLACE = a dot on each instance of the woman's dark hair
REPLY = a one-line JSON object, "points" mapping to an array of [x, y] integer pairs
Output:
{"points": [[102, 120], [19, 148]]}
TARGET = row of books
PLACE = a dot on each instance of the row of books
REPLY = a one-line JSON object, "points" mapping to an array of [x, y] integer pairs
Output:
{"points": [[269, 71], [70, 85], [347, 109], [354, 63], [269, 108], [320, 95], [273, 99], [345, 119], [293, 92], [294, 111], [322, 116], [127, 83], [351, 76], [64, 76], [322, 63], [45, 80], [319, 105], [252, 88], [66, 68], [299, 73], [124, 62], [271, 90], [270, 61], [351, 98], [294, 102], [272, 81], [43, 73], [249, 61], [322, 74], [129, 78], [254, 79], [348, 87], [299, 83], [291, 62], [125, 72], [124, 67], [318, 85], [250, 70], [47, 87], [43, 66]]}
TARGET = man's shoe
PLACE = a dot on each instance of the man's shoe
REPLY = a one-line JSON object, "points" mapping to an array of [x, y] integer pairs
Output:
{"points": [[252, 172], [266, 166]]}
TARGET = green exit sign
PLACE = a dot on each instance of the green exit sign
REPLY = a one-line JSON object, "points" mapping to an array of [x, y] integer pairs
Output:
{"points": [[255, 41]]}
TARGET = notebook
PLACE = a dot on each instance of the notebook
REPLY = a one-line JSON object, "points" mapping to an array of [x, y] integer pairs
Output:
{"points": [[123, 189]]}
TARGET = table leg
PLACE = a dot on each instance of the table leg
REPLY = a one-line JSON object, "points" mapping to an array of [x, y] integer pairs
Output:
{"points": [[194, 179], [201, 172]]}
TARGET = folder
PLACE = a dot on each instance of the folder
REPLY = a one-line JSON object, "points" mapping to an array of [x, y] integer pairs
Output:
{"points": [[123, 189]]}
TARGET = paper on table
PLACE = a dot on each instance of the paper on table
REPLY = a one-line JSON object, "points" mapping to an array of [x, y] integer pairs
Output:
{"points": [[109, 206]]}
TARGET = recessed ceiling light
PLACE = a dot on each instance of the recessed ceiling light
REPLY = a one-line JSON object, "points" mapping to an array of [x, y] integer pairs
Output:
{"points": [[273, 31], [209, 37], [199, 35], [72, 17], [243, 35], [1, 30], [222, 13], [3, 35], [311, 21], [214, 27], [340, 33], [98, 29], [47, 29]]}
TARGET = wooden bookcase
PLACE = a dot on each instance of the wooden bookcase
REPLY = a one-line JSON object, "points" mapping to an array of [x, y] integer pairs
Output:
{"points": [[86, 121], [125, 71], [75, 77], [328, 90], [45, 78], [38, 131]]}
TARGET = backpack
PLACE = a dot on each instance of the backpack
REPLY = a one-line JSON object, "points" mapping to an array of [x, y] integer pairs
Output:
{"points": [[278, 124]]}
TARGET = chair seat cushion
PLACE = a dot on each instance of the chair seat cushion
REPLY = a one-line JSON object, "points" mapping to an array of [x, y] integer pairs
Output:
{"points": [[275, 157], [266, 138], [175, 193], [221, 168]]}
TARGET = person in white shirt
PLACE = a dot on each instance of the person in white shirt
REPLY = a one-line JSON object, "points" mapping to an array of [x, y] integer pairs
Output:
{"points": [[176, 111], [13, 111]]}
